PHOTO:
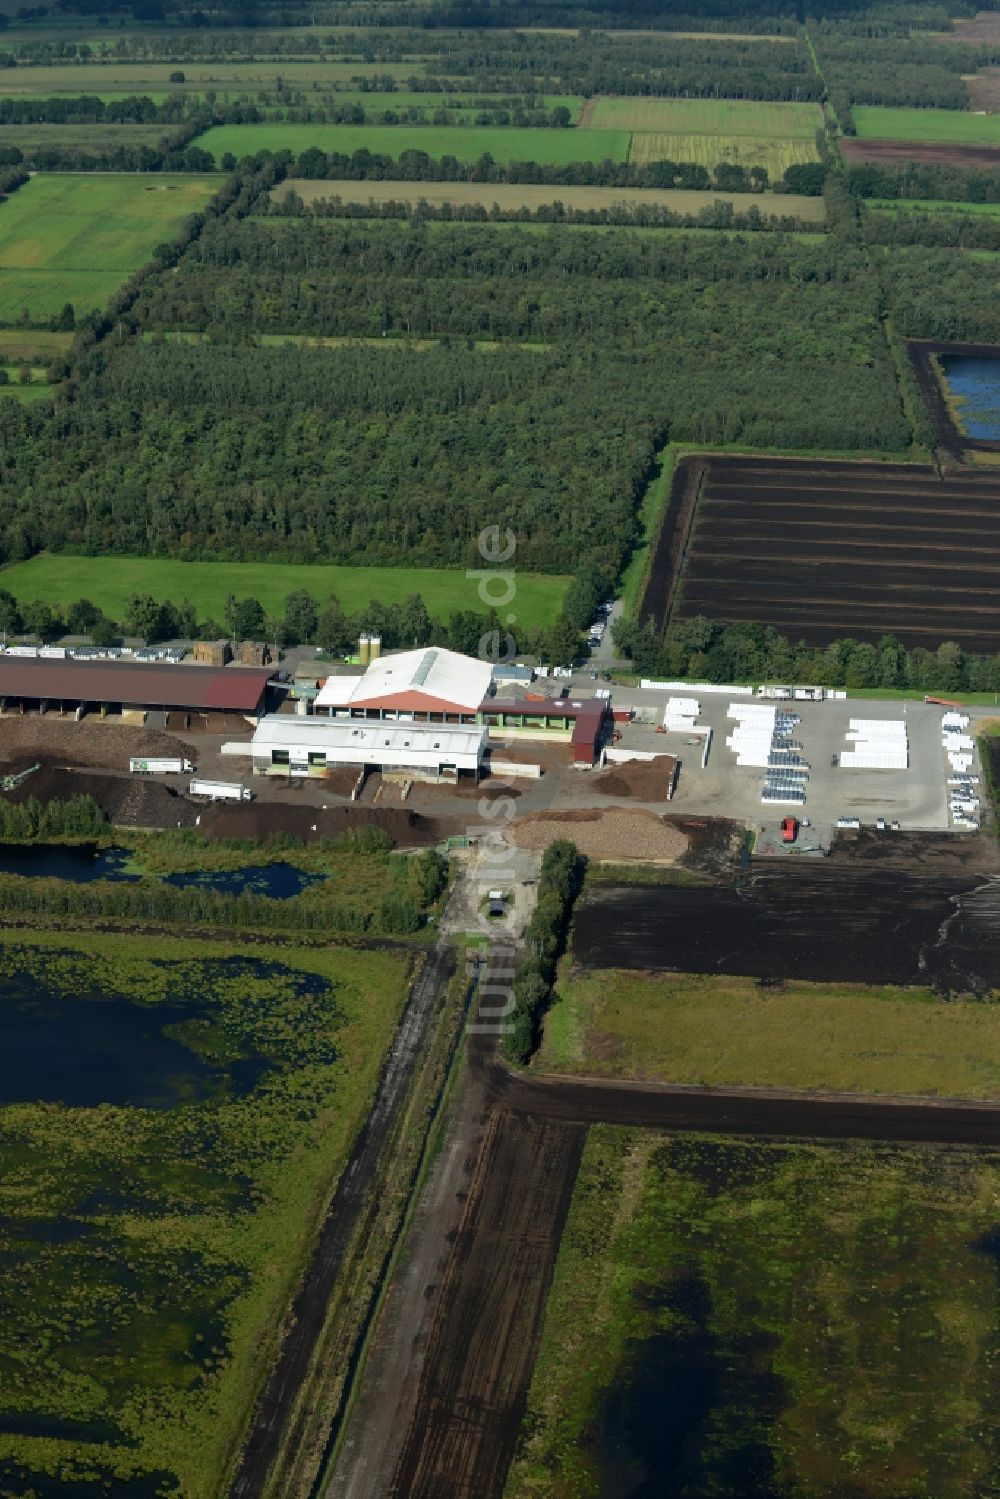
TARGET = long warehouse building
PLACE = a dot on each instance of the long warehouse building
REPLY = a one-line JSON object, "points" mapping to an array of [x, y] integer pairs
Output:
{"points": [[38, 685], [286, 744]]}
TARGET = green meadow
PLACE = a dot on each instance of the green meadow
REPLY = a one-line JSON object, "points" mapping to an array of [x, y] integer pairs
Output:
{"points": [[549, 147], [67, 238], [108, 581]]}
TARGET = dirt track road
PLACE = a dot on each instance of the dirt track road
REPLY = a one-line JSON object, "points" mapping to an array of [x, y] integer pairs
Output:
{"points": [[475, 1365], [482, 1347], [272, 1421], [745, 1111]]}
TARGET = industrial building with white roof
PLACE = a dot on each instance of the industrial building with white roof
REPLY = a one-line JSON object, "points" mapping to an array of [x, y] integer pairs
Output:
{"points": [[287, 745], [434, 685], [428, 712]]}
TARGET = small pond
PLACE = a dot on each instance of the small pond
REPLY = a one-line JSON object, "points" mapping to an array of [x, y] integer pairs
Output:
{"points": [[80, 863], [279, 881], [974, 384], [88, 1049]]}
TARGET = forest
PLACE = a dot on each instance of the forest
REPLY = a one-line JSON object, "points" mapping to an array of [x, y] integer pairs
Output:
{"points": [[923, 179], [401, 453]]}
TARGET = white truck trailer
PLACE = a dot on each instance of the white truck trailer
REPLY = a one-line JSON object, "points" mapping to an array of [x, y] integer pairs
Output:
{"points": [[221, 791], [161, 767]]}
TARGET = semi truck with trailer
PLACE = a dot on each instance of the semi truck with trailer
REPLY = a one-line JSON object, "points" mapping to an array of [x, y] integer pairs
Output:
{"points": [[221, 791], [160, 767]]}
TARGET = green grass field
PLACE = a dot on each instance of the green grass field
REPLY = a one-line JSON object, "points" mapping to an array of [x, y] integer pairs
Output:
{"points": [[107, 582], [81, 139], [26, 394], [728, 117], [896, 205], [877, 123], [718, 1031], [549, 147], [66, 238]]}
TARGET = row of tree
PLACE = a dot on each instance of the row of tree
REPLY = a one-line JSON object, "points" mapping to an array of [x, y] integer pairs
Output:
{"points": [[79, 817], [415, 165], [545, 939], [707, 650], [306, 621], [924, 179]]}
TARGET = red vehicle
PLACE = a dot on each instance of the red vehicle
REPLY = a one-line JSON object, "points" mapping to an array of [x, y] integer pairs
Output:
{"points": [[789, 829]]}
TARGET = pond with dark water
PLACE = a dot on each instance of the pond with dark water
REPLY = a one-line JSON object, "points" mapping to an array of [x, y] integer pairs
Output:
{"points": [[974, 384], [277, 881], [89, 1049], [82, 863]]}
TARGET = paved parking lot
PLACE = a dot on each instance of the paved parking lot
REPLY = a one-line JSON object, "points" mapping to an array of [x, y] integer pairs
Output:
{"points": [[916, 798]]}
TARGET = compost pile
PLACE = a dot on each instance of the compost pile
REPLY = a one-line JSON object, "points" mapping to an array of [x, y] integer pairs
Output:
{"points": [[128, 801], [90, 742], [619, 833], [262, 820], [645, 780]]}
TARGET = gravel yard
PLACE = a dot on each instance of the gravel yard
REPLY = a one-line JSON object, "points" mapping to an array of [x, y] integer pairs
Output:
{"points": [[614, 834]]}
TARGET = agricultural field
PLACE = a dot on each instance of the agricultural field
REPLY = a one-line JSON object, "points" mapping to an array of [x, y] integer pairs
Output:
{"points": [[548, 147], [780, 929], [61, 579], [711, 131], [930, 205], [33, 343], [725, 117], [530, 195], [723, 1031], [80, 139], [174, 1119], [75, 238], [899, 152], [823, 550], [725, 1308], [710, 151], [960, 127]]}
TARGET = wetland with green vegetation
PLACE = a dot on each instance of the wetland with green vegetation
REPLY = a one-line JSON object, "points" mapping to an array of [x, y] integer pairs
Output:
{"points": [[780, 1320], [177, 1113]]}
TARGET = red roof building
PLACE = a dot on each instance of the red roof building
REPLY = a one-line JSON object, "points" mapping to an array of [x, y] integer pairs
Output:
{"points": [[29, 680]]}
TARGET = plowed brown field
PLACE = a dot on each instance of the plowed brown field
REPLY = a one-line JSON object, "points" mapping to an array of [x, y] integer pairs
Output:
{"points": [[825, 550], [888, 153]]}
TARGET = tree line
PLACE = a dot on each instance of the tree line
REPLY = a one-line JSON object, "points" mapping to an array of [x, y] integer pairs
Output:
{"points": [[712, 651], [416, 165], [79, 817], [924, 179], [559, 883], [722, 214]]}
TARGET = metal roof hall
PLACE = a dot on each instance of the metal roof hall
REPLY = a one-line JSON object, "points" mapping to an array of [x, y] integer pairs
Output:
{"points": [[234, 689]]}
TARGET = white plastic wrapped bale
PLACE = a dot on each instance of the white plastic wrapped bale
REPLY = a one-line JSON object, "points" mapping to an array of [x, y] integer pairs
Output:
{"points": [[681, 715], [876, 744]]}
